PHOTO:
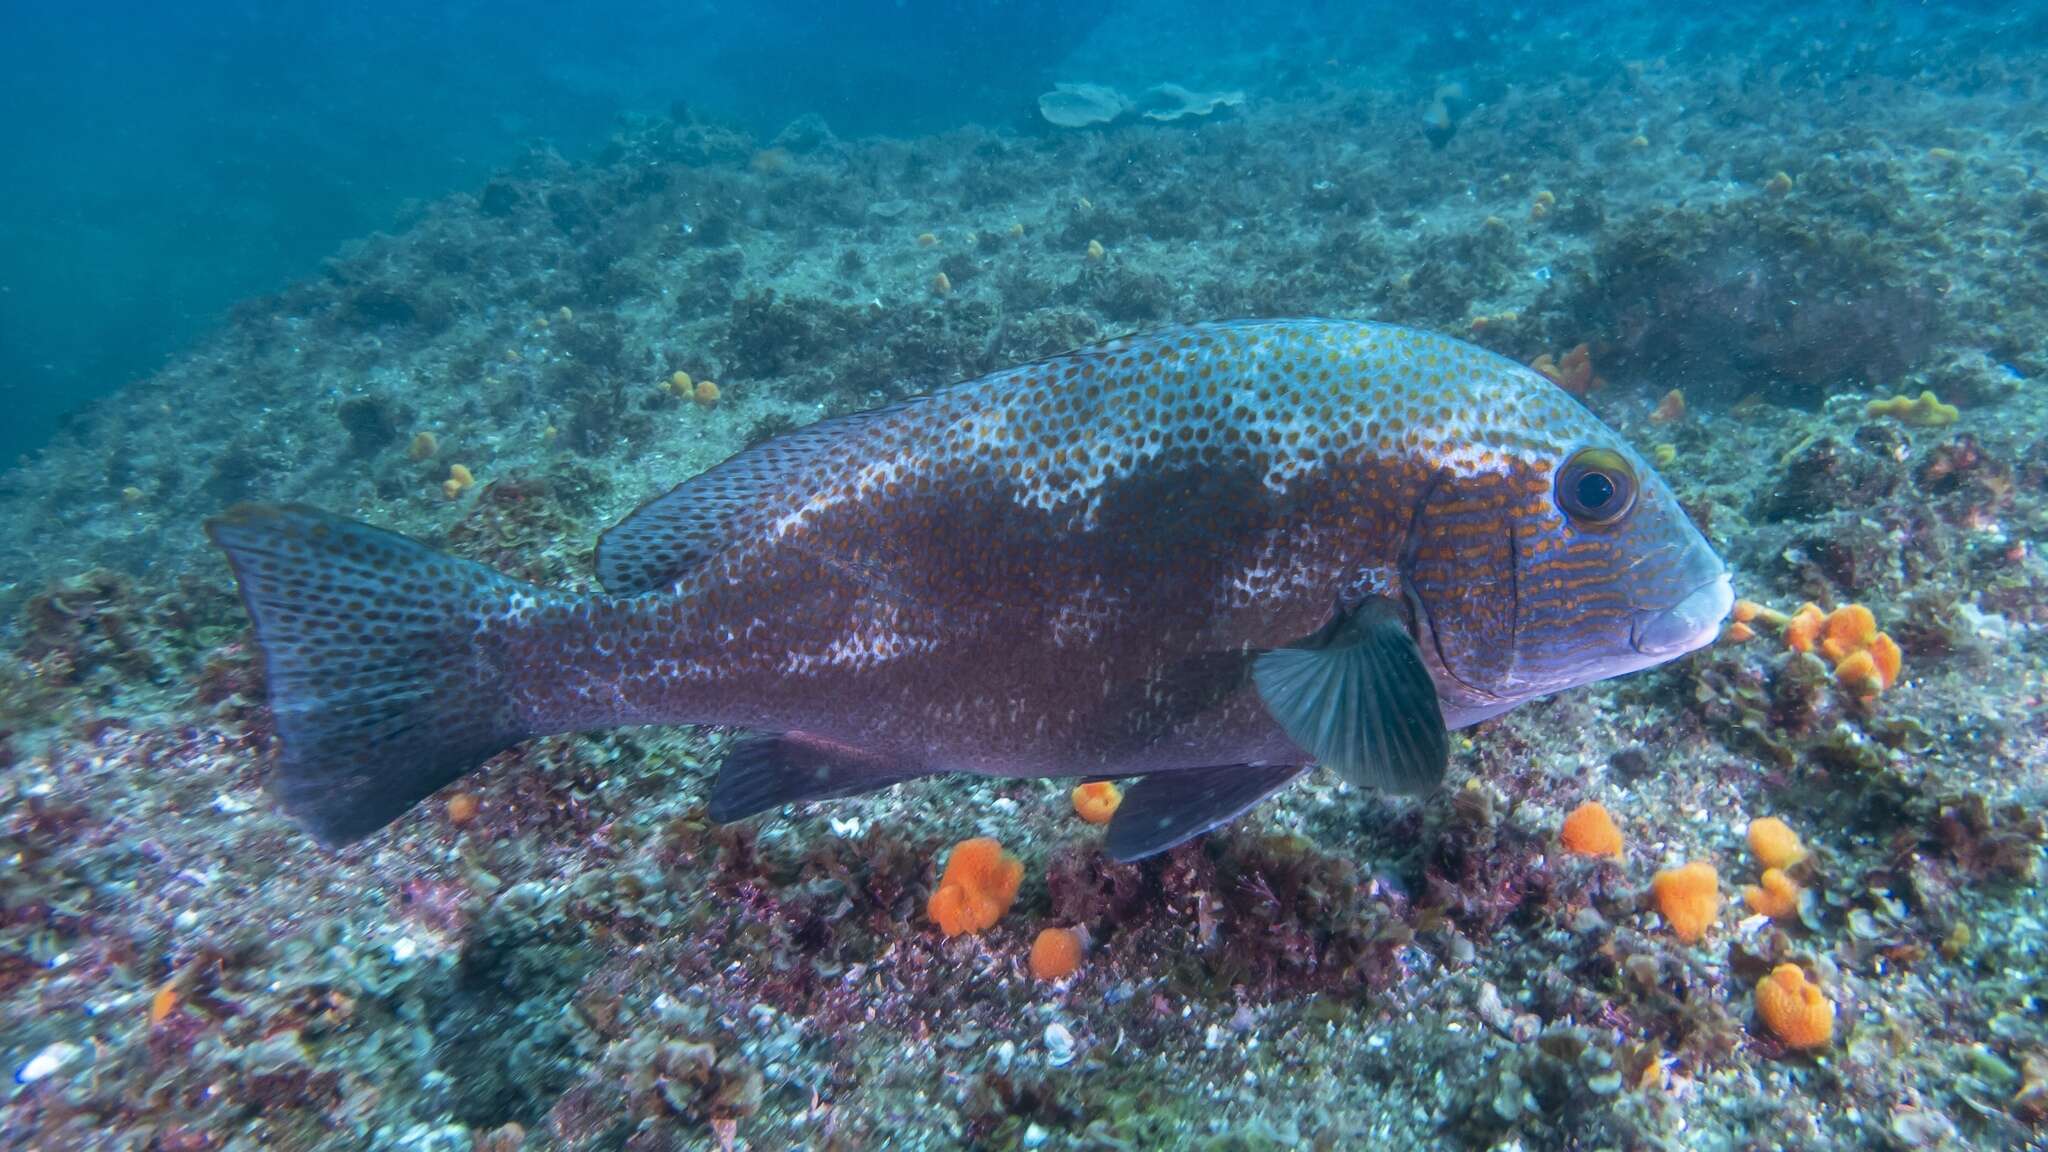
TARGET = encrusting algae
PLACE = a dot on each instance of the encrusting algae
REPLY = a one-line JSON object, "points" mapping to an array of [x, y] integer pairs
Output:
{"points": [[1794, 1009], [1689, 899], [979, 885], [1923, 411], [1589, 831]]}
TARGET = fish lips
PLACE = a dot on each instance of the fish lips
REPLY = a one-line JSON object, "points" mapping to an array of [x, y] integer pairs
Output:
{"points": [[1691, 623]]}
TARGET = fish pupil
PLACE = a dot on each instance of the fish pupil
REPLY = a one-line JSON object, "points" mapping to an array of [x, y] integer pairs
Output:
{"points": [[1595, 490]]}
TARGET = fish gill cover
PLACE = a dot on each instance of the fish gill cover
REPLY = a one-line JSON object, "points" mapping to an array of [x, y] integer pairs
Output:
{"points": [[1789, 257]]}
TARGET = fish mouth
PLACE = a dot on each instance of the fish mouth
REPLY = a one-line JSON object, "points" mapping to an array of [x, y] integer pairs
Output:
{"points": [[1691, 623]]}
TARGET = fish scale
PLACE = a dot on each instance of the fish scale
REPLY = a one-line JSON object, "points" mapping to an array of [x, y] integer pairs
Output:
{"points": [[1228, 550]]}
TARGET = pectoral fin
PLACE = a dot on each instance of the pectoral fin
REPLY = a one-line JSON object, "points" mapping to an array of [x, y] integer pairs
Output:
{"points": [[1168, 808], [1358, 698]]}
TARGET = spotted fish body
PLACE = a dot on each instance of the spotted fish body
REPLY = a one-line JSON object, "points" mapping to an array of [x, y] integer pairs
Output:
{"points": [[1073, 567]]}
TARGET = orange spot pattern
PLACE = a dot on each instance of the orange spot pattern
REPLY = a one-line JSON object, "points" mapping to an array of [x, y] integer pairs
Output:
{"points": [[980, 884], [1590, 831], [1794, 1009], [1688, 898]]}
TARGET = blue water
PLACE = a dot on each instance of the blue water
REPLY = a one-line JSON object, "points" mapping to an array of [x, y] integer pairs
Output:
{"points": [[164, 162]]}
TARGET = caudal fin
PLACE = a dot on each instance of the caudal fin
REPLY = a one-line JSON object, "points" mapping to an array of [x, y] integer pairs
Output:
{"points": [[382, 678]]}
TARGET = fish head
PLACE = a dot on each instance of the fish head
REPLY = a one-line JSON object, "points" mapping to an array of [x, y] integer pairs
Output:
{"points": [[1552, 557]]}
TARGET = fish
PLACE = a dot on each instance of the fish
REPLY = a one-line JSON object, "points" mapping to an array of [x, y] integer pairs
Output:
{"points": [[1207, 560]]}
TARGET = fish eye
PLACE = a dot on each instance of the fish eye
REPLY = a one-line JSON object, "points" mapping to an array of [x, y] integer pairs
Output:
{"points": [[1596, 486]]}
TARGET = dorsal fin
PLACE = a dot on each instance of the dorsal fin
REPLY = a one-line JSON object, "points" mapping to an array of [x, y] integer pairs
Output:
{"points": [[671, 534]]}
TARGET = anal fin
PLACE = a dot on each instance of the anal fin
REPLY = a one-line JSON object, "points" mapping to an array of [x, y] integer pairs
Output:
{"points": [[769, 771], [1170, 808]]}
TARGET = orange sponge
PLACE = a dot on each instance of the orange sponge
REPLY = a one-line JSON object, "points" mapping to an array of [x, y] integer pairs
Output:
{"points": [[1777, 896], [1804, 627], [1056, 954], [980, 884], [1097, 802], [1847, 629], [1589, 831], [1857, 675], [1689, 899], [1794, 1009], [1775, 843], [1884, 652]]}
